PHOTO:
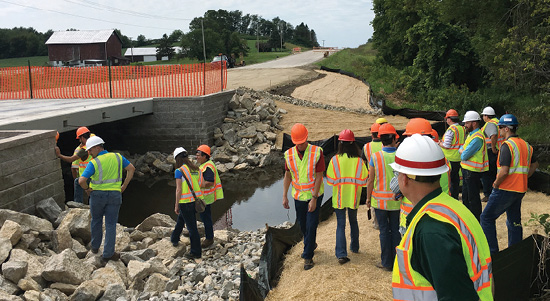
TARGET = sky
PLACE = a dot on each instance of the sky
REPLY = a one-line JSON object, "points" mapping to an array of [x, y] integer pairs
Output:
{"points": [[337, 23]]}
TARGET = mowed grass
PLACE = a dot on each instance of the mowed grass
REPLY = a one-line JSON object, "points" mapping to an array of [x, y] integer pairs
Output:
{"points": [[23, 61]]}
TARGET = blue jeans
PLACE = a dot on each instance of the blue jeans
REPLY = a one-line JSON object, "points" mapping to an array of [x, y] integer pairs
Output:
{"points": [[206, 218], [388, 221], [470, 191], [104, 203], [454, 185], [308, 222], [499, 202], [78, 191], [341, 250], [187, 217], [489, 176]]}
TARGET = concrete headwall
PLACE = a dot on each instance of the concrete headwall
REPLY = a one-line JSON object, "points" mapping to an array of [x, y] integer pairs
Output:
{"points": [[29, 170]]}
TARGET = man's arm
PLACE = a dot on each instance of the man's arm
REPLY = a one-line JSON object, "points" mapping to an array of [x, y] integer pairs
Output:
{"points": [[129, 175], [318, 181], [494, 143], [286, 184], [471, 149], [370, 185], [501, 176], [178, 196], [532, 168], [67, 159]]}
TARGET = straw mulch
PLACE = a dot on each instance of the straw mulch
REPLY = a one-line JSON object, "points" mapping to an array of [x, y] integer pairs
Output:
{"points": [[359, 279]]}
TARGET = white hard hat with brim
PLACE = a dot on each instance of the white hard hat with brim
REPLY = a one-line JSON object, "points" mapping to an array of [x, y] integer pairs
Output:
{"points": [[93, 141], [178, 151], [421, 156]]}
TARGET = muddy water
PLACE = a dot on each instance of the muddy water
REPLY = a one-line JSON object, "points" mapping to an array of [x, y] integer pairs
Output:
{"points": [[252, 199]]}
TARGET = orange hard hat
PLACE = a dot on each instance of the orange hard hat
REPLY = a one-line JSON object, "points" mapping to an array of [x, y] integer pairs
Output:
{"points": [[418, 126], [375, 127], [346, 135], [56, 136], [204, 148], [298, 133], [451, 113], [386, 129], [435, 135], [81, 130]]}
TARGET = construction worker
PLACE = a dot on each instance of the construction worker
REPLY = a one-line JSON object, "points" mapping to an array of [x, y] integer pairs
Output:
{"points": [[493, 141], [380, 196], [79, 160], [304, 168], [347, 173], [186, 172], [516, 163], [105, 191], [451, 142], [211, 186], [474, 162], [370, 148], [444, 254]]}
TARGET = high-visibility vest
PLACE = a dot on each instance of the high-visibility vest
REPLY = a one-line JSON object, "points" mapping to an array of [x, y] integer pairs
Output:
{"points": [[193, 177], [303, 171], [500, 138], [520, 163], [408, 284], [446, 179], [347, 175], [371, 148], [459, 136], [81, 164], [215, 192], [382, 195], [479, 162], [108, 172]]}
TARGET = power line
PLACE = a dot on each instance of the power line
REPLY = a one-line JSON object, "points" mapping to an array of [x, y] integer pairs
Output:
{"points": [[122, 11], [78, 16]]}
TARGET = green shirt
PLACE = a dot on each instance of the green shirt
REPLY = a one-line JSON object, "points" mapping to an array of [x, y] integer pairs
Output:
{"points": [[437, 255]]}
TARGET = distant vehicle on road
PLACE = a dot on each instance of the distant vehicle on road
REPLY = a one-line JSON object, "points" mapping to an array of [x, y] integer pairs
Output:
{"points": [[222, 57]]}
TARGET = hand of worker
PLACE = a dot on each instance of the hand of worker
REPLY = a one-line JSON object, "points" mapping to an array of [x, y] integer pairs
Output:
{"points": [[495, 151], [177, 209], [57, 151], [285, 202], [495, 184], [89, 190], [123, 187], [312, 204]]}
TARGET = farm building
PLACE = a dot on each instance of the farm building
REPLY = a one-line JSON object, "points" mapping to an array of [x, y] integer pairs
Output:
{"points": [[146, 54], [85, 48]]}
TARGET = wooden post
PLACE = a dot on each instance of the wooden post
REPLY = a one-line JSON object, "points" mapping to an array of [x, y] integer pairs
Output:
{"points": [[110, 82], [30, 77]]}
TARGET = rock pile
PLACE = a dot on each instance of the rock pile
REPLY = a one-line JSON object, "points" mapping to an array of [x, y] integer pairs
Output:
{"points": [[49, 259]]}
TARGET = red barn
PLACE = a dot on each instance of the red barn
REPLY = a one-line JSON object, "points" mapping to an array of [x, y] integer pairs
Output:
{"points": [[85, 48]]}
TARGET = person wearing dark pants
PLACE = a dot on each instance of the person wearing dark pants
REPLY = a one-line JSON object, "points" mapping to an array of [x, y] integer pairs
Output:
{"points": [[186, 217], [470, 191], [308, 222], [493, 139], [450, 144]]}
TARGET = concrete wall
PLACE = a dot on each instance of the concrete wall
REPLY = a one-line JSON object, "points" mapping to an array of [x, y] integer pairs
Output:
{"points": [[29, 170], [187, 122]]}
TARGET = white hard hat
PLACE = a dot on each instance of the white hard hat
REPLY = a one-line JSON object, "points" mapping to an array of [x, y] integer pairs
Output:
{"points": [[471, 116], [178, 151], [421, 156], [93, 141], [488, 111]]}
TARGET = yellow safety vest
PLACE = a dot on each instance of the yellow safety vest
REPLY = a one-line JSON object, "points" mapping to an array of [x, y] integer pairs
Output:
{"points": [[459, 135], [479, 162], [382, 195], [500, 139], [81, 164], [347, 175], [520, 163], [193, 177], [108, 172], [303, 171], [408, 284], [215, 192], [371, 148]]}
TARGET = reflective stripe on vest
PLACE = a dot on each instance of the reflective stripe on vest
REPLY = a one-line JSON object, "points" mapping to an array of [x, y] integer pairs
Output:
{"points": [[303, 171], [347, 175], [479, 161], [107, 176], [521, 153], [405, 208], [371, 148], [382, 195], [500, 139], [459, 136], [215, 192], [186, 194], [410, 285]]}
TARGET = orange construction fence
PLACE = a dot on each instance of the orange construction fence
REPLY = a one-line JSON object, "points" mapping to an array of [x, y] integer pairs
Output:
{"points": [[112, 82]]}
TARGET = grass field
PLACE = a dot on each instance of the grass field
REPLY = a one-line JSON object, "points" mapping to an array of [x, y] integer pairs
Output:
{"points": [[23, 61]]}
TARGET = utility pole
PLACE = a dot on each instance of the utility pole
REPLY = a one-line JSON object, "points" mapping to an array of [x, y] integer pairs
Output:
{"points": [[281, 35], [258, 36], [204, 54], [323, 43]]}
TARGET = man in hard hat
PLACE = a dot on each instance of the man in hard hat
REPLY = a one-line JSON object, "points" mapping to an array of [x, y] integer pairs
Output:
{"points": [[304, 168], [105, 191], [493, 141], [444, 254], [474, 162], [516, 163], [451, 142], [380, 196], [211, 188], [79, 160]]}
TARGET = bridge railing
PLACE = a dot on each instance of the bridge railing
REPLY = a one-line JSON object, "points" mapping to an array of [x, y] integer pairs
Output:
{"points": [[112, 81]]}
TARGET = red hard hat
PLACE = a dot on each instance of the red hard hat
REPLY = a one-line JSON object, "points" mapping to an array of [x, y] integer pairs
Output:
{"points": [[346, 135], [204, 148], [387, 128], [81, 130], [435, 135], [418, 126], [375, 127], [298, 133], [451, 113]]}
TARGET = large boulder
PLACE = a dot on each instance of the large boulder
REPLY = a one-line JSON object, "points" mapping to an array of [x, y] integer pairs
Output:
{"points": [[106, 276], [26, 221], [12, 231], [48, 209], [14, 270], [5, 248], [87, 290], [61, 239], [156, 283], [77, 221], [138, 270], [66, 267], [113, 292], [157, 219], [35, 263]]}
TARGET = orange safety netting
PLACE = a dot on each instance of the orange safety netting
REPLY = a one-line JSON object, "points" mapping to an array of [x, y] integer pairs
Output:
{"points": [[123, 82]]}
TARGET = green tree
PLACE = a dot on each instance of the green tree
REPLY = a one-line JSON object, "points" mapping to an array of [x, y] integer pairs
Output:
{"points": [[165, 48], [141, 41], [192, 42]]}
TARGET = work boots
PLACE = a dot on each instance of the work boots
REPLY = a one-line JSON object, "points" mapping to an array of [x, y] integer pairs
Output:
{"points": [[207, 243]]}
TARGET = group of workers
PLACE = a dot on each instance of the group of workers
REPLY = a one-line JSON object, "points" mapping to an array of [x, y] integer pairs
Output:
{"points": [[100, 174], [436, 246]]}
